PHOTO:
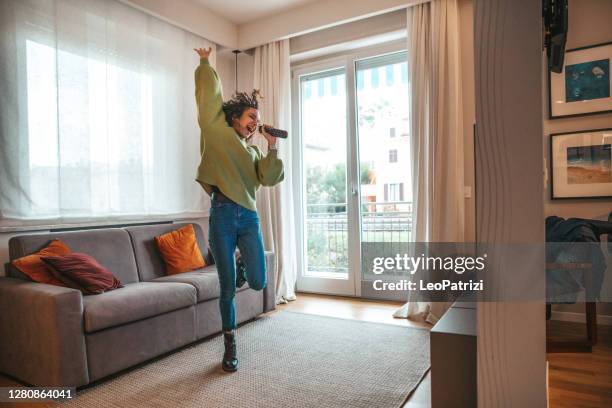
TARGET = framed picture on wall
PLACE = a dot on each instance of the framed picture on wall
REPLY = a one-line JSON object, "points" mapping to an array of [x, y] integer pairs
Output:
{"points": [[583, 87], [581, 164]]}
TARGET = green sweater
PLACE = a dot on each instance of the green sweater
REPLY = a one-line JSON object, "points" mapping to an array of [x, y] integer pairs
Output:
{"points": [[228, 162]]}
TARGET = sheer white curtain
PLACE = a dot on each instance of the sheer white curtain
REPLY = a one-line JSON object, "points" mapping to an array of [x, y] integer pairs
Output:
{"points": [[434, 70], [97, 113], [275, 205]]}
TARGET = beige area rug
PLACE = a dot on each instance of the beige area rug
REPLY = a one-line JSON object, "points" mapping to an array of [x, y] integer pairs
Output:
{"points": [[287, 359]]}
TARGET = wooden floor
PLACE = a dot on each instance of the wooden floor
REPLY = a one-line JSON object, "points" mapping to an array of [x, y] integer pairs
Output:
{"points": [[576, 380], [580, 380]]}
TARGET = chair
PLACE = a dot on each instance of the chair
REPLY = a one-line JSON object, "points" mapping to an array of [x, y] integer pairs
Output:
{"points": [[598, 228]]}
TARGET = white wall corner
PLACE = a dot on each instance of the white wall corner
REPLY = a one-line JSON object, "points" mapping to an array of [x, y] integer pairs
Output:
{"points": [[193, 17], [313, 16]]}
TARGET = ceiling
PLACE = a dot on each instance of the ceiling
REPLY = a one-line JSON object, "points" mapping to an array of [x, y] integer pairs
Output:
{"points": [[241, 11]]}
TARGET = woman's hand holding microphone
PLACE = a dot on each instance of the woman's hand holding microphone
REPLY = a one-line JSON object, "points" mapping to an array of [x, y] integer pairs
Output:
{"points": [[272, 141]]}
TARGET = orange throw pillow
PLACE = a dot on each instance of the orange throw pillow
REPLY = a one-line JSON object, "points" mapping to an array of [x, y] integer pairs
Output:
{"points": [[34, 267], [180, 250]]}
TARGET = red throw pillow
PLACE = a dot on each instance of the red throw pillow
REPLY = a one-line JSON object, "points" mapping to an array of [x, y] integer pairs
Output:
{"points": [[84, 271], [33, 266]]}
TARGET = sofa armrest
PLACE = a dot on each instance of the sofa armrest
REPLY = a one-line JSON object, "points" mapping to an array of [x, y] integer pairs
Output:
{"points": [[269, 292], [41, 333]]}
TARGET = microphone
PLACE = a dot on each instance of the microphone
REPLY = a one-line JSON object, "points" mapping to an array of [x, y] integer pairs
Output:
{"points": [[274, 132]]}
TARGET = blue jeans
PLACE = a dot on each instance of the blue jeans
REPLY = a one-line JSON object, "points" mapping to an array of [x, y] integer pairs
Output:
{"points": [[232, 225]]}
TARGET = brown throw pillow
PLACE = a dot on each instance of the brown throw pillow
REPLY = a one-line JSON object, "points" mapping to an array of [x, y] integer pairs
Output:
{"points": [[180, 250], [83, 271], [33, 266]]}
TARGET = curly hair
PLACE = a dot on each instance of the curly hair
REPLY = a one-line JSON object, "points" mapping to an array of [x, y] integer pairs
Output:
{"points": [[238, 103]]}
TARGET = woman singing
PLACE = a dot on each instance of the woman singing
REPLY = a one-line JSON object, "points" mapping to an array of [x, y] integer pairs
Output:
{"points": [[231, 171]]}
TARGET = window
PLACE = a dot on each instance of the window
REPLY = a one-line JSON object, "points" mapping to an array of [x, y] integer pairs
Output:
{"points": [[392, 132], [360, 80], [393, 156], [308, 90], [375, 78], [389, 75], [320, 87], [323, 138], [404, 71], [107, 133], [394, 192]]}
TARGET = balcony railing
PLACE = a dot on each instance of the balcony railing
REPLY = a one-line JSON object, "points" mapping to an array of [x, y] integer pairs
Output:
{"points": [[327, 231]]}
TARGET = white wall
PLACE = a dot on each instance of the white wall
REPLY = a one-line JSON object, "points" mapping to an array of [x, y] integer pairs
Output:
{"points": [[192, 17], [312, 17], [225, 68], [226, 64], [321, 40], [466, 16], [4, 251], [511, 338], [309, 17]]}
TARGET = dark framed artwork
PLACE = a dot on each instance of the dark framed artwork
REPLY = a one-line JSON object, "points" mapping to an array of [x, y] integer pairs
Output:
{"points": [[581, 164], [583, 87]]}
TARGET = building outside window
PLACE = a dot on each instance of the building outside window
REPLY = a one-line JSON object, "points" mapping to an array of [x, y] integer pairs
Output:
{"points": [[393, 156]]}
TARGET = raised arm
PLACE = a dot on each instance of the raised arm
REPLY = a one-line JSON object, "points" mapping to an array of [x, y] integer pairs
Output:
{"points": [[209, 97]]}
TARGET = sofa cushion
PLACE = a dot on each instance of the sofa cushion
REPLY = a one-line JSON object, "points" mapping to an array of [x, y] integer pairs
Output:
{"points": [[111, 247], [135, 301], [149, 260], [205, 281]]}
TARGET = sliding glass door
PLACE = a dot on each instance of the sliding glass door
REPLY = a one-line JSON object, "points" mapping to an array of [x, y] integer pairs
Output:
{"points": [[352, 173]]}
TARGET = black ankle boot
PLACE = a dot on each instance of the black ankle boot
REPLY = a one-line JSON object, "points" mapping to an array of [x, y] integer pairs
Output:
{"points": [[240, 273], [230, 360]]}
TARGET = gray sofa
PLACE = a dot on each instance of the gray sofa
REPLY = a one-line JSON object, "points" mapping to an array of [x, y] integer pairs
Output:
{"points": [[55, 336]]}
